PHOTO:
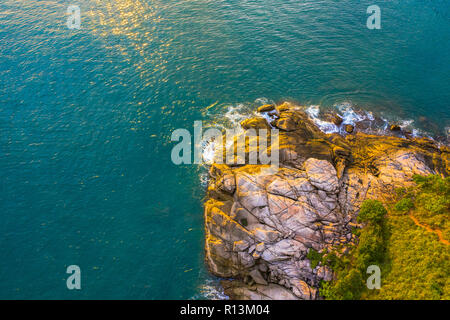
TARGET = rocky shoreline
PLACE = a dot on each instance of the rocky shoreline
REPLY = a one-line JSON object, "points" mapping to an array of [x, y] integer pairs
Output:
{"points": [[259, 228]]}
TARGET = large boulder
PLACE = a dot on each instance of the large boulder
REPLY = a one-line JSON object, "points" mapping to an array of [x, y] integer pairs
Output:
{"points": [[266, 108], [255, 123], [321, 174]]}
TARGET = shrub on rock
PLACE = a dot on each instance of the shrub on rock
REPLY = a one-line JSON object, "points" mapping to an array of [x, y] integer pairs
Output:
{"points": [[372, 211]]}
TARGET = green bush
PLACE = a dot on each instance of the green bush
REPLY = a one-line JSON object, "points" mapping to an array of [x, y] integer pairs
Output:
{"points": [[349, 286], [432, 202], [371, 247], [404, 205], [314, 257], [372, 211], [333, 261]]}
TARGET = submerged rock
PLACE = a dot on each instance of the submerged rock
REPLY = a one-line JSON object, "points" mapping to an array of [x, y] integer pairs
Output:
{"points": [[334, 118], [266, 108], [260, 227], [349, 128]]}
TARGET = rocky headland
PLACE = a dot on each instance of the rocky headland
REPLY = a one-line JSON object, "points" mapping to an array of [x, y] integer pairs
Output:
{"points": [[260, 227]]}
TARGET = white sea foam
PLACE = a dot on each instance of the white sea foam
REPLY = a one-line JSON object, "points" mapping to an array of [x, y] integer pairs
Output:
{"points": [[351, 116], [231, 120], [370, 116], [268, 117], [211, 290], [208, 151], [326, 126], [204, 179], [235, 114], [262, 101]]}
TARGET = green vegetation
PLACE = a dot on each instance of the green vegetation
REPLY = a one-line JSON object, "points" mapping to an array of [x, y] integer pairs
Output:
{"points": [[404, 205], [314, 257], [351, 270], [428, 202], [410, 245], [432, 202], [418, 248], [372, 211]]}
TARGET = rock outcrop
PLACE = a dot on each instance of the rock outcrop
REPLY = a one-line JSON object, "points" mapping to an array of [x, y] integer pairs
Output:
{"points": [[260, 227]]}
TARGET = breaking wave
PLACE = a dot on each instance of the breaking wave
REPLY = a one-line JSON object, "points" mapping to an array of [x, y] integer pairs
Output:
{"points": [[363, 120], [230, 117], [211, 290]]}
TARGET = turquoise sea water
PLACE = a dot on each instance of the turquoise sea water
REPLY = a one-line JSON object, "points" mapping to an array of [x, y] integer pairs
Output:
{"points": [[86, 118]]}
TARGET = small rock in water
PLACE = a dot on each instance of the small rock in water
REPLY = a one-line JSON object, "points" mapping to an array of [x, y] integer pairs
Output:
{"points": [[423, 119], [349, 128], [363, 125], [255, 123], [334, 118], [266, 108], [337, 120], [408, 134], [283, 107], [395, 127]]}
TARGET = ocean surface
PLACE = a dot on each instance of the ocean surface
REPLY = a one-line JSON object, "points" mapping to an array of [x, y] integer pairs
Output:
{"points": [[86, 117]]}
